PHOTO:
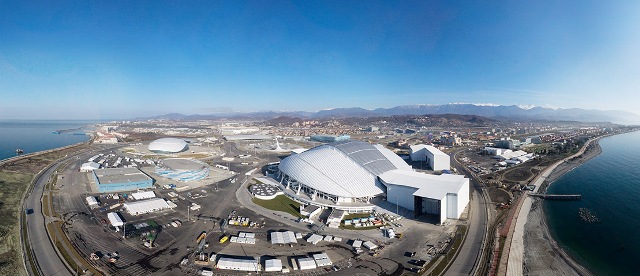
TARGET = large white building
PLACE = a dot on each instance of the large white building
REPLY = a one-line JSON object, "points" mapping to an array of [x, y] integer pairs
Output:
{"points": [[348, 175], [168, 145], [436, 159], [446, 195]]}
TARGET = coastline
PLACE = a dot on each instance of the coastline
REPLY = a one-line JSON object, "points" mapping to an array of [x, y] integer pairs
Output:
{"points": [[544, 256]]}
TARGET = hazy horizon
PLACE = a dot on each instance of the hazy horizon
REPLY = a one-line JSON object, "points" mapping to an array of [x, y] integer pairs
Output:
{"points": [[94, 60]]}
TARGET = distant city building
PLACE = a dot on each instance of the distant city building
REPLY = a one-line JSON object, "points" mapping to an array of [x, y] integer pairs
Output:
{"points": [[409, 131], [168, 145], [507, 144], [451, 141], [238, 130], [330, 138], [436, 159], [373, 129], [121, 179]]}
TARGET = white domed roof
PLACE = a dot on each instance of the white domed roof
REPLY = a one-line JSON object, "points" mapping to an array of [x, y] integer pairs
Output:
{"points": [[347, 169], [168, 145]]}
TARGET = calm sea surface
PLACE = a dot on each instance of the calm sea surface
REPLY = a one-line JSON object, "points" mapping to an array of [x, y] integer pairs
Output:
{"points": [[610, 188], [32, 136]]}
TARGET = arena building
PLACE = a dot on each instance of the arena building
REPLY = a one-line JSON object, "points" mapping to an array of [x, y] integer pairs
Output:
{"points": [[168, 145], [182, 169], [348, 175], [121, 179]]}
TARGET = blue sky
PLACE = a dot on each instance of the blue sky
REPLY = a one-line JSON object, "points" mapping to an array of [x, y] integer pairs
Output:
{"points": [[119, 59]]}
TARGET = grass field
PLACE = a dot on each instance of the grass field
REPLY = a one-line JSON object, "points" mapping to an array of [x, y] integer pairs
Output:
{"points": [[281, 203], [12, 186]]}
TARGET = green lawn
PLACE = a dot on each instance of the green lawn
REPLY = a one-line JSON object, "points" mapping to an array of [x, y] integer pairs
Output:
{"points": [[281, 203]]}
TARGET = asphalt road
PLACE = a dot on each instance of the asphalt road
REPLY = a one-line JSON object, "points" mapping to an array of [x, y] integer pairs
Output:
{"points": [[471, 249], [43, 250]]}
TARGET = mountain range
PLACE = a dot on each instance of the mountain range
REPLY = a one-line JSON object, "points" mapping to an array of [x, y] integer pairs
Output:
{"points": [[498, 112]]}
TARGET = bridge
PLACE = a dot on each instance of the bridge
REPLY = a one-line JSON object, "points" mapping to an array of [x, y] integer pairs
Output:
{"points": [[557, 197]]}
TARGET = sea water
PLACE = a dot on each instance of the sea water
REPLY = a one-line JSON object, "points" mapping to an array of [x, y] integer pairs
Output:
{"points": [[610, 188], [36, 135]]}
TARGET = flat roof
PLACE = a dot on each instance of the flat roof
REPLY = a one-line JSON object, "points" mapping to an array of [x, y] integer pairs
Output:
{"points": [[146, 206], [120, 175], [428, 185]]}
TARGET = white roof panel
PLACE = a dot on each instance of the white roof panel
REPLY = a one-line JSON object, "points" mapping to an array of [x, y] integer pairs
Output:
{"points": [[143, 195], [428, 185], [114, 219], [346, 169], [146, 206]]}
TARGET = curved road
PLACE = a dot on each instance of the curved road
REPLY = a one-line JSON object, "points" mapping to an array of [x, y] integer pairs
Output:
{"points": [[42, 248], [465, 262]]}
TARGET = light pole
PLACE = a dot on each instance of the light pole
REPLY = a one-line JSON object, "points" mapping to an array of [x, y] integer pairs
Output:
{"points": [[397, 207]]}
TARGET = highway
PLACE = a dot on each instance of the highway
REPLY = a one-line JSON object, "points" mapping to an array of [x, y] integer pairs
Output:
{"points": [[465, 262], [43, 251]]}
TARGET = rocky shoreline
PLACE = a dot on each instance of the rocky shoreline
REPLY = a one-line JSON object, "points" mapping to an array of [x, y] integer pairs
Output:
{"points": [[543, 255]]}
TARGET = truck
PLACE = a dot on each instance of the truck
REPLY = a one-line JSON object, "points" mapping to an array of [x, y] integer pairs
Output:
{"points": [[224, 239]]}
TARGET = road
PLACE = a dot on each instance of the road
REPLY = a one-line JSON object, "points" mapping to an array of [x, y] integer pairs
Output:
{"points": [[45, 255], [478, 218]]}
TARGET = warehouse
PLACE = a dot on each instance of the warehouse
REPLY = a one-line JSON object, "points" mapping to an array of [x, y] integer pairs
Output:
{"points": [[436, 159], [444, 195], [121, 179], [146, 206]]}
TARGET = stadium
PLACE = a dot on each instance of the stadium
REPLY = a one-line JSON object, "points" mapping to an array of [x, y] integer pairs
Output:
{"points": [[168, 145], [181, 169], [348, 175]]}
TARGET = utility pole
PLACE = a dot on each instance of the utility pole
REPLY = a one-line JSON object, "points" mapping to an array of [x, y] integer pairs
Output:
{"points": [[124, 230], [397, 207]]}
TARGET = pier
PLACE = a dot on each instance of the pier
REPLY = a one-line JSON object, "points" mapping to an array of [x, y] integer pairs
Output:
{"points": [[557, 197]]}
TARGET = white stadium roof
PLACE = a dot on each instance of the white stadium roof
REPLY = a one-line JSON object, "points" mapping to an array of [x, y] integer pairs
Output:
{"points": [[346, 169], [169, 145], [428, 185]]}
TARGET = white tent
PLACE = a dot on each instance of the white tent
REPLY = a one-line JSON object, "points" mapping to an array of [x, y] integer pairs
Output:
{"points": [[306, 263], [92, 201], [357, 243], [283, 237], [146, 206], [273, 265], [369, 245], [114, 219], [89, 166], [143, 195], [314, 239]]}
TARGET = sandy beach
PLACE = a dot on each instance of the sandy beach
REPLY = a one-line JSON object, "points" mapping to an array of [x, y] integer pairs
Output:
{"points": [[543, 256]]}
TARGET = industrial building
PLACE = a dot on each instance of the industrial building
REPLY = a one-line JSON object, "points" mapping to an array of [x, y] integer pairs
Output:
{"points": [[121, 179], [348, 175], [436, 159], [445, 195], [182, 169], [168, 145]]}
